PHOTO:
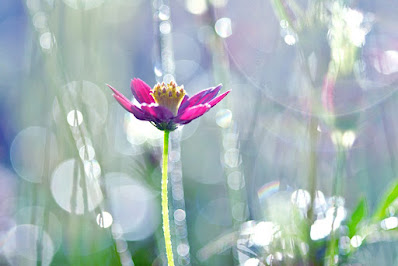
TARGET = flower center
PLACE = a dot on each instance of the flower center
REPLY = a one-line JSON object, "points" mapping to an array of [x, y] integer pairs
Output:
{"points": [[168, 95]]}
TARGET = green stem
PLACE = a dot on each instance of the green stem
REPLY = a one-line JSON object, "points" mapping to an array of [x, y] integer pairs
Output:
{"points": [[331, 250], [165, 201]]}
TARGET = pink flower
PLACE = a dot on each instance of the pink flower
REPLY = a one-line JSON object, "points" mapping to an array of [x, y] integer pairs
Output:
{"points": [[167, 106]]}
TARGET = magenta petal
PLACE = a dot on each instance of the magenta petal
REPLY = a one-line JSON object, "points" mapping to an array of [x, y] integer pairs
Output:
{"points": [[218, 99], [184, 104], [132, 109], [204, 96], [159, 113], [123, 101], [201, 97], [141, 91], [116, 92], [192, 113]]}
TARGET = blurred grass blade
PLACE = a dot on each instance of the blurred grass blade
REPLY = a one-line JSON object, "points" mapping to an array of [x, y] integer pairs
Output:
{"points": [[386, 201], [280, 11], [360, 212]]}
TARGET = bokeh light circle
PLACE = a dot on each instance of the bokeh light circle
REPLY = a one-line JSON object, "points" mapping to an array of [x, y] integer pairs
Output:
{"points": [[134, 207], [22, 242], [68, 191], [33, 150], [82, 101], [37, 215]]}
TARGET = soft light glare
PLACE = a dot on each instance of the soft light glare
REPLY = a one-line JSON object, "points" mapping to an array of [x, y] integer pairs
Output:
{"points": [[31, 150], [133, 206], [301, 198], [284, 24], [224, 118], [46, 40], [223, 27], [74, 118], [348, 138], [165, 27], [104, 219], [87, 152], [196, 7], [20, 245], [219, 3], [290, 39], [264, 233], [92, 169], [320, 229], [252, 262], [40, 20], [138, 132], [183, 249], [232, 158], [68, 192], [179, 215], [389, 223], [387, 62], [235, 180], [356, 241], [164, 12]]}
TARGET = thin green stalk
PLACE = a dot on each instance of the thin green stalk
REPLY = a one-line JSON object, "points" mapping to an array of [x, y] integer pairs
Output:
{"points": [[165, 201], [337, 191]]}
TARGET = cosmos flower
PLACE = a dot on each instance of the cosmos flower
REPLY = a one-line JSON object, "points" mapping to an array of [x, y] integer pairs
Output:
{"points": [[167, 106]]}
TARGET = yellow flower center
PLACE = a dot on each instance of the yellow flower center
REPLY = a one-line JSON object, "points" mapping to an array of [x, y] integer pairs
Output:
{"points": [[168, 95]]}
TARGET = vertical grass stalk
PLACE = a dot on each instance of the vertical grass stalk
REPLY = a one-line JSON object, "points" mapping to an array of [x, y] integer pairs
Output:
{"points": [[165, 201]]}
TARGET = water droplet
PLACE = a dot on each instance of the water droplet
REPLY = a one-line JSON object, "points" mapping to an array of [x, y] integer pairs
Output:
{"points": [[239, 211], [356, 241], [92, 169], [33, 5], [179, 216], [157, 69], [47, 40], [301, 198], [344, 243], [223, 27], [74, 118], [289, 39], [235, 180], [284, 24], [224, 118], [348, 138], [104, 219], [40, 20], [164, 12], [165, 27], [196, 7], [87, 152], [168, 78], [183, 249], [389, 223], [232, 158], [219, 3]]}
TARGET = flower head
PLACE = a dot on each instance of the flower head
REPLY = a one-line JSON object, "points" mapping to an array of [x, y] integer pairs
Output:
{"points": [[167, 106]]}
